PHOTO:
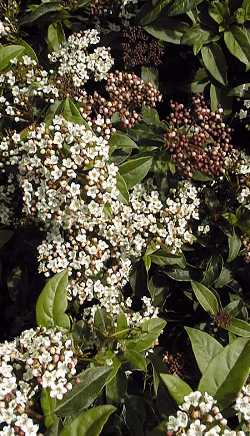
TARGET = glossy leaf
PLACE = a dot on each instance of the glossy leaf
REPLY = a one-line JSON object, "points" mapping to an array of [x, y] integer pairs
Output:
{"points": [[154, 12], [55, 36], [122, 188], [182, 6], [71, 113], [206, 298], [234, 245], [92, 381], [177, 388], [48, 406], [135, 170], [205, 347], [136, 360], [227, 372], [89, 423], [238, 43], [52, 303], [9, 52], [215, 62], [167, 30], [239, 327]]}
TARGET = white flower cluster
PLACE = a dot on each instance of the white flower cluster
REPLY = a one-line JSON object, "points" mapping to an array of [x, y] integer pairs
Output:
{"points": [[38, 358], [242, 404], [70, 187], [61, 168], [21, 84], [75, 60], [199, 416], [99, 250], [7, 191], [244, 195]]}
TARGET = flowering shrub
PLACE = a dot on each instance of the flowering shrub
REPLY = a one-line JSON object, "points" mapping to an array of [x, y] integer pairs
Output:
{"points": [[124, 217]]}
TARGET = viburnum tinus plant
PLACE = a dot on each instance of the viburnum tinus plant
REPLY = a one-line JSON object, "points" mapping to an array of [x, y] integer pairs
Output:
{"points": [[124, 217]]}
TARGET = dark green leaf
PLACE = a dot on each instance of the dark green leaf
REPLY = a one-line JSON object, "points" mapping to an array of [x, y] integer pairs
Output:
{"points": [[154, 13], [135, 170], [89, 423], [72, 114], [92, 381], [238, 43], [215, 62], [43, 9], [206, 298], [52, 303], [48, 406], [234, 244], [9, 52], [123, 189], [168, 30], [177, 388], [205, 347], [55, 36], [136, 360], [182, 6], [239, 327], [227, 372]]}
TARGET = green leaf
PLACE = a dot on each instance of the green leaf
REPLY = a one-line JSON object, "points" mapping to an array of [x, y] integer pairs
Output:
{"points": [[205, 347], [162, 258], [206, 298], [121, 141], [147, 262], [28, 49], [218, 11], [150, 75], [122, 323], [92, 381], [238, 44], [72, 114], [53, 110], [56, 36], [52, 303], [213, 270], [154, 13], [150, 116], [234, 244], [135, 170], [182, 6], [239, 327], [48, 406], [89, 423], [117, 387], [227, 372], [177, 388], [137, 360], [151, 330], [43, 9], [196, 37], [215, 62], [9, 52], [168, 30], [180, 275], [123, 189]]}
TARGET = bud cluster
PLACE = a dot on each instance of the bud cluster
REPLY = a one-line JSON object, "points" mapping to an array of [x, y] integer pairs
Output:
{"points": [[127, 95], [198, 139], [140, 48]]}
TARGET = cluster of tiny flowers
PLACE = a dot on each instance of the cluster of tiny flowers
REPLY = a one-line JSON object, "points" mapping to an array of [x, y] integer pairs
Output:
{"points": [[38, 358], [140, 48], [242, 405], [127, 95], [198, 140], [7, 191], [199, 415], [125, 9], [74, 58], [59, 167], [24, 82], [98, 251]]}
